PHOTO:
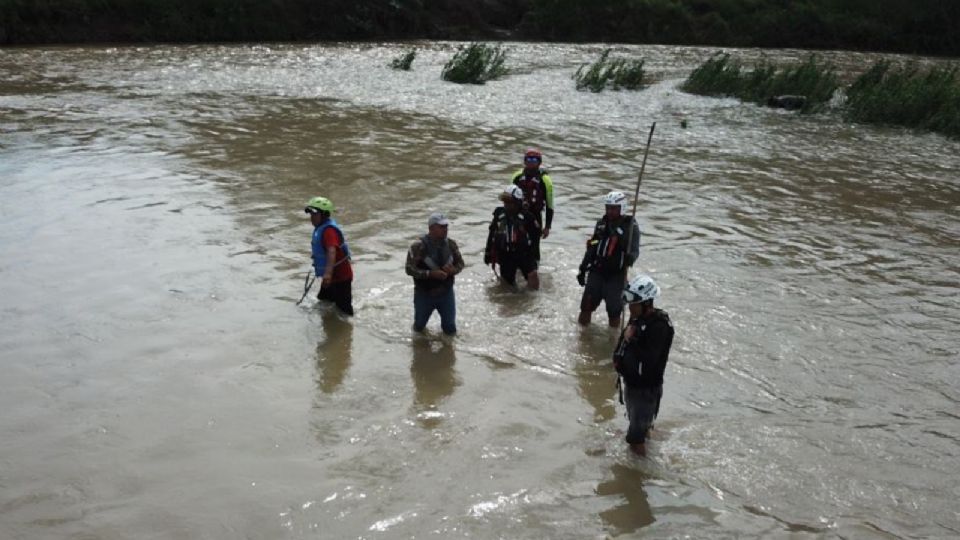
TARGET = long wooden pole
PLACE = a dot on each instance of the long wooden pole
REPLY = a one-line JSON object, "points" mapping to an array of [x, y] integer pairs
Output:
{"points": [[636, 197], [636, 193]]}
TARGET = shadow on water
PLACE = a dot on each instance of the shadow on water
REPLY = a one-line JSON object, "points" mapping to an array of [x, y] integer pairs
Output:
{"points": [[334, 352], [596, 379], [634, 512], [434, 378]]}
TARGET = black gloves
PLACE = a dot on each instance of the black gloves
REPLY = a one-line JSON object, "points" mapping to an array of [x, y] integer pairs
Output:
{"points": [[582, 279], [486, 257]]}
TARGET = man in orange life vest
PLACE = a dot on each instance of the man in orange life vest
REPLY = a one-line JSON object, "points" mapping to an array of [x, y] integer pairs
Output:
{"points": [[331, 256], [611, 251], [537, 189]]}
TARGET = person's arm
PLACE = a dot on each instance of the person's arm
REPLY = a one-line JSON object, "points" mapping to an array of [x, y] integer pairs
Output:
{"points": [[489, 256], [548, 187], [633, 252], [413, 260], [457, 265], [586, 262], [328, 271]]}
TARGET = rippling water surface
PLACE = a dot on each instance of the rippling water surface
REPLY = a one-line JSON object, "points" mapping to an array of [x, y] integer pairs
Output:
{"points": [[158, 380]]}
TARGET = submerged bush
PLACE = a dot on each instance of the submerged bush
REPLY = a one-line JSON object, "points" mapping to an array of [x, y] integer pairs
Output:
{"points": [[721, 76], [475, 64], [718, 76], [618, 73], [404, 60], [907, 96]]}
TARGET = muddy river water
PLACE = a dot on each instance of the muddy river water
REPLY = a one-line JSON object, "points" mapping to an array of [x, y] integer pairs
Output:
{"points": [[157, 379]]}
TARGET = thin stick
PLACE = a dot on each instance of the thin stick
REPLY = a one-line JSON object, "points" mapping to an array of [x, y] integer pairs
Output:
{"points": [[636, 197], [307, 283]]}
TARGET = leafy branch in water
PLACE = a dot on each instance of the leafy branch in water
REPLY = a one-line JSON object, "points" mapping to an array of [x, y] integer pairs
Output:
{"points": [[618, 73], [475, 64], [404, 60]]}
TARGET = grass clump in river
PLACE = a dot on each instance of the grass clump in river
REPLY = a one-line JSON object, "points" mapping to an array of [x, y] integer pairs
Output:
{"points": [[907, 96], [475, 64], [720, 75], [404, 60], [618, 73]]}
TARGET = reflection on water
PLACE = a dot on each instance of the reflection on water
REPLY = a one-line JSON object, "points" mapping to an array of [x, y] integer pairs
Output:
{"points": [[333, 351], [510, 301], [596, 381], [434, 378], [633, 510]]}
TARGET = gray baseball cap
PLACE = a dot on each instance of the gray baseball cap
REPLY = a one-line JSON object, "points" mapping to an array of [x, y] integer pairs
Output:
{"points": [[437, 218]]}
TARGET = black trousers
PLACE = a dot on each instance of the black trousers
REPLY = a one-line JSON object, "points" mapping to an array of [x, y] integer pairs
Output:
{"points": [[340, 293]]}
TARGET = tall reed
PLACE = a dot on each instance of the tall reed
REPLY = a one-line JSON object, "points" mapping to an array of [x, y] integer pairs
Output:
{"points": [[907, 96], [618, 73], [722, 76], [475, 64]]}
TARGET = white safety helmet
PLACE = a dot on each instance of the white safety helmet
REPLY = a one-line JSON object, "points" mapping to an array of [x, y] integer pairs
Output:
{"points": [[512, 192], [640, 289], [615, 198]]}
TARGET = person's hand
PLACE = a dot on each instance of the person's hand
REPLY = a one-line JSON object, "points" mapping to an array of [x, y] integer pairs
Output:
{"points": [[545, 233], [486, 258], [629, 332], [448, 269], [325, 280], [582, 279], [438, 274]]}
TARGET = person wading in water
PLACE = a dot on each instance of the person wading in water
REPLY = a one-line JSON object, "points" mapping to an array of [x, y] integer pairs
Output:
{"points": [[432, 261], [537, 189], [510, 241], [640, 359], [611, 251]]}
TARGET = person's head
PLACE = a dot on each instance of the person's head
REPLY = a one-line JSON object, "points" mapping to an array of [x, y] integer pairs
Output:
{"points": [[532, 159], [615, 204], [319, 209], [512, 197], [437, 226], [640, 293]]}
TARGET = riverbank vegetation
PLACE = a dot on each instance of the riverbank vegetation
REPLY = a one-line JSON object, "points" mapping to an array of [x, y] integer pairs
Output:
{"points": [[476, 63], [618, 73], [722, 76], [909, 26]]}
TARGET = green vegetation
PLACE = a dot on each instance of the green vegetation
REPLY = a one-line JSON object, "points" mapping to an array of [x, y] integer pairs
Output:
{"points": [[721, 76], [618, 73], [475, 64], [903, 96], [404, 60], [907, 96]]}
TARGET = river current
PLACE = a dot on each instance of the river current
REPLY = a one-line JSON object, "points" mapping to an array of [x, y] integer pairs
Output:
{"points": [[158, 380]]}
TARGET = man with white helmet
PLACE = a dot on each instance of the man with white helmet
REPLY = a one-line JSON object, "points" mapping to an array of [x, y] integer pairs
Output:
{"points": [[331, 256], [512, 239], [611, 251], [641, 358]]}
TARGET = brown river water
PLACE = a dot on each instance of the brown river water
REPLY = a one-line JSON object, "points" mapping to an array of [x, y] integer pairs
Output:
{"points": [[158, 380]]}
